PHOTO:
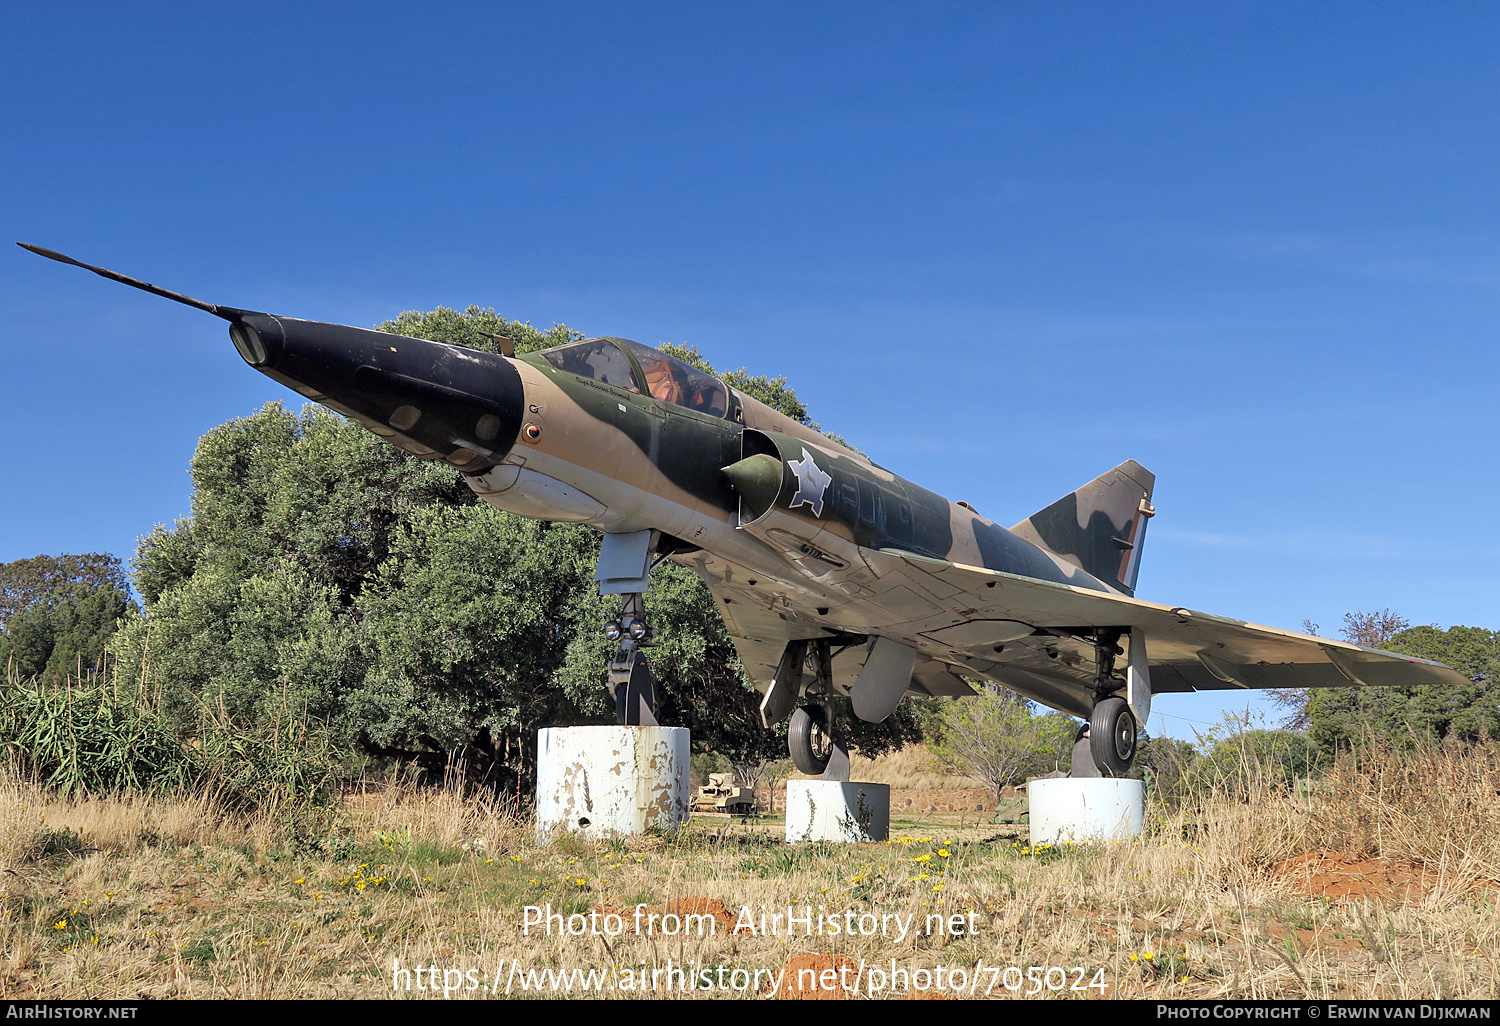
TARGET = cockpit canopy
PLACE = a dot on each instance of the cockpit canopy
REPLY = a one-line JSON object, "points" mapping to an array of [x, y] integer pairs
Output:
{"points": [[655, 373]]}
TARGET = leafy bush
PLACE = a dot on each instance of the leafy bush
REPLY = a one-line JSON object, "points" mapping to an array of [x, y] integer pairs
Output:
{"points": [[91, 737]]}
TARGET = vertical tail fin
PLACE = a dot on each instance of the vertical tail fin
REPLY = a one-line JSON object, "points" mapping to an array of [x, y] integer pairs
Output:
{"points": [[1099, 528]]}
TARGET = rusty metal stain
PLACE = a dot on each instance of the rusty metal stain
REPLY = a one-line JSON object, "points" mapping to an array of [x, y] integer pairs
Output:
{"points": [[647, 785]]}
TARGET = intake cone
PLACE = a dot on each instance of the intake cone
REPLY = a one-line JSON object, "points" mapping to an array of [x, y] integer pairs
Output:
{"points": [[758, 480]]}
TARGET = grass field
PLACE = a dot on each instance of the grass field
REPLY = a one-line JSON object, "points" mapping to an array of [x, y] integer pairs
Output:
{"points": [[1227, 896]]}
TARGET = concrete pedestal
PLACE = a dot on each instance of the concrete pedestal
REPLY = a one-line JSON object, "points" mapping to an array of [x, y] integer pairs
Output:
{"points": [[1085, 809], [609, 782], [837, 810]]}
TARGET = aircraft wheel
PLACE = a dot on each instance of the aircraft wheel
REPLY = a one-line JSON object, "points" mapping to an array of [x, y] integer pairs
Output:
{"points": [[808, 739], [1112, 737]]}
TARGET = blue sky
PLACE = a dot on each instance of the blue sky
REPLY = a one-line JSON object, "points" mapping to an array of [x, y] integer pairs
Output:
{"points": [[1001, 247]]}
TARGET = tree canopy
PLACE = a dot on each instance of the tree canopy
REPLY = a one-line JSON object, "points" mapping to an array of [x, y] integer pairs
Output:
{"points": [[1251, 759], [25, 581], [998, 738], [65, 632], [1342, 717]]}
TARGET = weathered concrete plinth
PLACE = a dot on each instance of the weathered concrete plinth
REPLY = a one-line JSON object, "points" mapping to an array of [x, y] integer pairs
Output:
{"points": [[837, 810], [610, 782], [1085, 809]]}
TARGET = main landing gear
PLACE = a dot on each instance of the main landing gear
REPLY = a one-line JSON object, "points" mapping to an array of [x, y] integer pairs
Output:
{"points": [[809, 738], [814, 738], [1110, 736]]}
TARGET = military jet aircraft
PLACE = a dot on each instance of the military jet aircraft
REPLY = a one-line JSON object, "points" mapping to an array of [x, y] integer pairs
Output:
{"points": [[837, 579]]}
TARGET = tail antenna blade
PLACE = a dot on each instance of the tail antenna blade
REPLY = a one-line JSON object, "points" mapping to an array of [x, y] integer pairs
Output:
{"points": [[226, 312]]}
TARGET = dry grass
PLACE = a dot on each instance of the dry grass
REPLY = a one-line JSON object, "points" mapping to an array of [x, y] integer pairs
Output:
{"points": [[129, 898], [912, 766]]}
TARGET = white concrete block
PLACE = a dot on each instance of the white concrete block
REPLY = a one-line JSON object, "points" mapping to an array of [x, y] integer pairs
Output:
{"points": [[1086, 809], [611, 781], [837, 810]]}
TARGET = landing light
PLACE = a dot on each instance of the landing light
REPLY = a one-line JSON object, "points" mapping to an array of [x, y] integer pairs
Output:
{"points": [[247, 340]]}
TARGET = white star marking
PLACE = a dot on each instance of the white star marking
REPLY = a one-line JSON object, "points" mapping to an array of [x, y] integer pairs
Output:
{"points": [[812, 483]]}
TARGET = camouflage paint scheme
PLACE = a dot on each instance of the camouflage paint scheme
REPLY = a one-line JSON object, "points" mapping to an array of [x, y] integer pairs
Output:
{"points": [[797, 536], [884, 557]]}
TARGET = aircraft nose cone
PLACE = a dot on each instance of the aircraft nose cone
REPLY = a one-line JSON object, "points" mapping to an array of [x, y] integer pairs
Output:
{"points": [[435, 401]]}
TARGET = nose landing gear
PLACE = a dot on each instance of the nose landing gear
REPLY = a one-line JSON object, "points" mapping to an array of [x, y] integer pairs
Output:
{"points": [[629, 674], [625, 570]]}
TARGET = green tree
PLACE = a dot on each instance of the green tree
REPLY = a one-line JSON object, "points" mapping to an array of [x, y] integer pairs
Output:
{"points": [[64, 633], [1343, 717], [25, 581], [1372, 630], [1169, 760], [1249, 759], [997, 738], [464, 630]]}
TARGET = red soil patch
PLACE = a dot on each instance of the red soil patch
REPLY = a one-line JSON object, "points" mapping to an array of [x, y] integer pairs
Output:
{"points": [[679, 907], [1331, 875], [804, 977], [701, 907], [1308, 940]]}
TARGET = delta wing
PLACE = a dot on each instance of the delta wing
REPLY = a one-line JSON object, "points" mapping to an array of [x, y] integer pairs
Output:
{"points": [[1019, 630]]}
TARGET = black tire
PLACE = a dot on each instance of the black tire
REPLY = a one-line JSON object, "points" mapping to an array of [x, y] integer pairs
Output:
{"points": [[1112, 734], [808, 740]]}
